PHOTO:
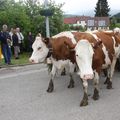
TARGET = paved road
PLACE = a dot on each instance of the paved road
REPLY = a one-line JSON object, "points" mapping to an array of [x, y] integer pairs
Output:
{"points": [[23, 97]]}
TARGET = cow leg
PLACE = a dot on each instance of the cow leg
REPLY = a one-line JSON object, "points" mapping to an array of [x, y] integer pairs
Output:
{"points": [[84, 101], [71, 71], [110, 74], [51, 84], [109, 80], [71, 83], [105, 72], [63, 72], [96, 88], [107, 76]]}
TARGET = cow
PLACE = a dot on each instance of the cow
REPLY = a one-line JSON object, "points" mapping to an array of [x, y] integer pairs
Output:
{"points": [[56, 48], [95, 51]]}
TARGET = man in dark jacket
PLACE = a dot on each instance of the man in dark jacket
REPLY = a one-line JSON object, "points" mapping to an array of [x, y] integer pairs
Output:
{"points": [[5, 44], [15, 44]]}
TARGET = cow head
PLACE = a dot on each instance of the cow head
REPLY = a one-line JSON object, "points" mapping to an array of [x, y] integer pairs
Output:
{"points": [[116, 31], [84, 56], [40, 50]]}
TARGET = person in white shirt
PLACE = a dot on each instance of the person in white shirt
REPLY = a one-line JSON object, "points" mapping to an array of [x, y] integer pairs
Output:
{"points": [[20, 39]]}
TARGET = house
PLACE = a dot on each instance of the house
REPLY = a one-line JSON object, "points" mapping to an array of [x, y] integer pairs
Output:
{"points": [[90, 23]]}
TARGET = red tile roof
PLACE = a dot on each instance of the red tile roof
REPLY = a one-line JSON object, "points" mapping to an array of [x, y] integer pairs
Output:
{"points": [[73, 20]]}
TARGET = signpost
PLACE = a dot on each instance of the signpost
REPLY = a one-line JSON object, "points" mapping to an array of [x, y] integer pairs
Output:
{"points": [[47, 20], [47, 12]]}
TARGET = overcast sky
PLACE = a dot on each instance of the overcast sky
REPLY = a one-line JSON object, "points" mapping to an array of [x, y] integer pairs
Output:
{"points": [[80, 6]]}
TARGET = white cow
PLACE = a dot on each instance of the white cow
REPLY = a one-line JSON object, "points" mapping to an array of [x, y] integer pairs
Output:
{"points": [[58, 52]]}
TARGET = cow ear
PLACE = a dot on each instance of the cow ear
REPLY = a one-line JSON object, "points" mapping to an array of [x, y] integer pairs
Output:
{"points": [[69, 43], [46, 40]]}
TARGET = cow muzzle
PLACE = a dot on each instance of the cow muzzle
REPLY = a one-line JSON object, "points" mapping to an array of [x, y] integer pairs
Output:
{"points": [[31, 61], [88, 77]]}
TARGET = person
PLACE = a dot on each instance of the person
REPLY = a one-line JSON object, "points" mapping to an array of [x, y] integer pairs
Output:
{"points": [[15, 44], [20, 39], [0, 53], [5, 44], [30, 41], [11, 33]]}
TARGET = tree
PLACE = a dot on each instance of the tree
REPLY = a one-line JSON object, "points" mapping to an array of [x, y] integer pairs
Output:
{"points": [[26, 15], [3, 4], [102, 8]]}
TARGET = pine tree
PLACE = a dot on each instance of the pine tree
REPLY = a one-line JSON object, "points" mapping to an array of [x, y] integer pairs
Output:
{"points": [[102, 8]]}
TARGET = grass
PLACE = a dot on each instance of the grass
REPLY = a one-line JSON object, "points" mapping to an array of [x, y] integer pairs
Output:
{"points": [[23, 59]]}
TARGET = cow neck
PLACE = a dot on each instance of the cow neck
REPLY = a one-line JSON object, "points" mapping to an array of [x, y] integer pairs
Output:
{"points": [[97, 44], [49, 46]]}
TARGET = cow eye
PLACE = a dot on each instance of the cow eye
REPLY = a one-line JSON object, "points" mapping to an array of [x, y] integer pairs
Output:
{"points": [[39, 48]]}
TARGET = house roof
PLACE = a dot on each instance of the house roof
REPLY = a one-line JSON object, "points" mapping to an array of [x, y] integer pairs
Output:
{"points": [[73, 20]]}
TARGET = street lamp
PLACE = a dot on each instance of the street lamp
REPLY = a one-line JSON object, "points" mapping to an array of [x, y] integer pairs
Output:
{"points": [[100, 5], [47, 20], [47, 12]]}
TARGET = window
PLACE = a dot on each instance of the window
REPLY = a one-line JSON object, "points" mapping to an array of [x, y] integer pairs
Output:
{"points": [[101, 23], [90, 22]]}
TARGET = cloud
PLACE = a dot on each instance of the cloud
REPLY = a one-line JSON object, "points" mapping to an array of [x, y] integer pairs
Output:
{"points": [[75, 6]]}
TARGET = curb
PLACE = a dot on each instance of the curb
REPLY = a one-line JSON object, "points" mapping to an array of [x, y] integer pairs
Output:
{"points": [[17, 65], [7, 66]]}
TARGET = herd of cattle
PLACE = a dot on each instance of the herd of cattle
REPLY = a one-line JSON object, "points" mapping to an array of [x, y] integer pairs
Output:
{"points": [[92, 52]]}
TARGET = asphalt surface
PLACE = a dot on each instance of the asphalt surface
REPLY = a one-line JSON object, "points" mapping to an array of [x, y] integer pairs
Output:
{"points": [[23, 96]]}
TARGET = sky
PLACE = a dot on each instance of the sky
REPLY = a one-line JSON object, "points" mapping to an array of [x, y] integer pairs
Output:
{"points": [[83, 6]]}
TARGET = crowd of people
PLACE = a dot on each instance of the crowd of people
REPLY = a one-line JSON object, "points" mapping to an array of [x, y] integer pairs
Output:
{"points": [[12, 39]]}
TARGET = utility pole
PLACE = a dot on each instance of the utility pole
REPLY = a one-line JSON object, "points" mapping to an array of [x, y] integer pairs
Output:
{"points": [[47, 20], [100, 9]]}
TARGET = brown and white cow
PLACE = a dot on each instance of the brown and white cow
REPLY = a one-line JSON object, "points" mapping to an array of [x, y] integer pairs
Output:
{"points": [[60, 54], [96, 51]]}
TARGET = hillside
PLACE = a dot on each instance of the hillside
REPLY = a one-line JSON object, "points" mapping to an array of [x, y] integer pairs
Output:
{"points": [[117, 15], [91, 13]]}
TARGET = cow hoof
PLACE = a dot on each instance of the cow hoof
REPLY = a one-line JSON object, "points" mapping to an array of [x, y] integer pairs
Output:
{"points": [[50, 87], [96, 94], [109, 85], [84, 103], [71, 86], [50, 90], [107, 81], [71, 83], [63, 74]]}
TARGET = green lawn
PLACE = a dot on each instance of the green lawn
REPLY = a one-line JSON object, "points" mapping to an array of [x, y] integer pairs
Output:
{"points": [[23, 59]]}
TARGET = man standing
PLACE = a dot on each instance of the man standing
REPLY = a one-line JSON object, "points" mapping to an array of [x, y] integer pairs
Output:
{"points": [[15, 44], [5, 44], [30, 41], [20, 39]]}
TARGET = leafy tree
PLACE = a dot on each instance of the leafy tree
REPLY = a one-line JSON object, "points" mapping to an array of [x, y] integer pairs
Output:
{"points": [[26, 15], [3, 4], [102, 8]]}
